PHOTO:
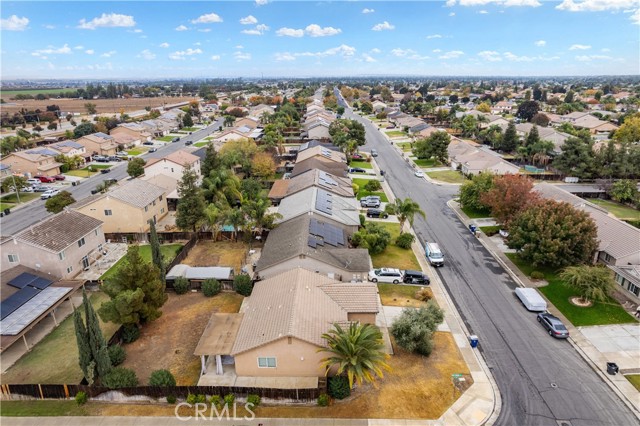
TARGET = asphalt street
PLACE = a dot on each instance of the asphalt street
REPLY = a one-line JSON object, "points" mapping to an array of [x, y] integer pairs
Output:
{"points": [[35, 212], [542, 381]]}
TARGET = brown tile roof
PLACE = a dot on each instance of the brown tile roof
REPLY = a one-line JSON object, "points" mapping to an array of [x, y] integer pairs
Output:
{"points": [[60, 231], [354, 297], [182, 158], [279, 189], [337, 169], [335, 184], [322, 152], [137, 192]]}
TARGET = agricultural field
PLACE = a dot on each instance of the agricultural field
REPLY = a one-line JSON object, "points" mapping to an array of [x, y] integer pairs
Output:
{"points": [[106, 106]]}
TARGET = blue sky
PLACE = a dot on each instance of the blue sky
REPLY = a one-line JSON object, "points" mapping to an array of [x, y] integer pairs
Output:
{"points": [[151, 39]]}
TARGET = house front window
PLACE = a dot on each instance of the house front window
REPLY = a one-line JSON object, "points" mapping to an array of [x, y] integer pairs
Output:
{"points": [[267, 362], [61, 255], [146, 208], [107, 213], [633, 289], [81, 242], [69, 269], [13, 258]]}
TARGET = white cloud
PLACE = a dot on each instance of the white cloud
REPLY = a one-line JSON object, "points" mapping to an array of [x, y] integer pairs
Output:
{"points": [[383, 26], [181, 28], [635, 18], [182, 54], [164, 45], [417, 57], [50, 50], [368, 58], [261, 2], [108, 21], [342, 50], [204, 30], [507, 3], [596, 5], [258, 30], [606, 49], [540, 43], [453, 54], [108, 54], [580, 47], [242, 56], [365, 10], [147, 55], [510, 56], [375, 50], [452, 14], [79, 47], [248, 20], [239, 46], [197, 43], [215, 58], [13, 23], [290, 32], [483, 12], [429, 37], [588, 58], [209, 18], [137, 31], [436, 50], [402, 52], [284, 57], [490, 55], [315, 30], [89, 51], [49, 27]]}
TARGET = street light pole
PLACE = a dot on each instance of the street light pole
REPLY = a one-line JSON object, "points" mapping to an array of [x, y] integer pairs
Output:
{"points": [[13, 179]]}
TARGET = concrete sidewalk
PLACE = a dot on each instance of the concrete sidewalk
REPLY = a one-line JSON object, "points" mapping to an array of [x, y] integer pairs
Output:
{"points": [[598, 345]]}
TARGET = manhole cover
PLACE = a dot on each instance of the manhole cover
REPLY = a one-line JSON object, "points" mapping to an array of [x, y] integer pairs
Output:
{"points": [[563, 422], [553, 385]]}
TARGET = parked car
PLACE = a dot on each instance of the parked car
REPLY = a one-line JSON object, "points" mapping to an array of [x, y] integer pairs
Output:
{"points": [[370, 201], [40, 188], [377, 213], [49, 193], [45, 179], [385, 275], [415, 277], [122, 154], [24, 189], [59, 177], [554, 326], [153, 149], [434, 254], [103, 171], [147, 143], [115, 158], [357, 170], [33, 181], [357, 157], [188, 143], [419, 173], [176, 139], [100, 158], [374, 153]]}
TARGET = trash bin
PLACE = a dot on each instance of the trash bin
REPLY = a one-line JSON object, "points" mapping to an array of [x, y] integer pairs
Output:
{"points": [[74, 183], [7, 211], [473, 228], [612, 368], [473, 341]]}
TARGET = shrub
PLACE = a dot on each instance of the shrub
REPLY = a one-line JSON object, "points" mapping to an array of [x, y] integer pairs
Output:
{"points": [[162, 378], [196, 399], [81, 398], [424, 294], [253, 399], [242, 285], [404, 240], [171, 399], [339, 387], [216, 400], [323, 400], [130, 333], [390, 208], [120, 377], [181, 285], [537, 275], [413, 329], [117, 355], [229, 399], [211, 287], [372, 185], [363, 219], [356, 188]]}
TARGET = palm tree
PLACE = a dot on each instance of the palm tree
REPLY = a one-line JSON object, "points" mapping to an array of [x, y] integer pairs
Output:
{"points": [[214, 217], [257, 211], [222, 185], [229, 120], [236, 218], [592, 283], [357, 351], [406, 210]]}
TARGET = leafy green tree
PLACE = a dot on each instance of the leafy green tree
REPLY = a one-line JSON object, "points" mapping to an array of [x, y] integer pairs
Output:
{"points": [[593, 283], [120, 377], [373, 237], [624, 191], [135, 167], [413, 329], [406, 210], [83, 129], [629, 131], [57, 203], [210, 161], [162, 378], [510, 139], [357, 351], [577, 158], [229, 120], [187, 121], [372, 185], [16, 183], [243, 285], [527, 110], [156, 253], [90, 107], [257, 211], [343, 130], [136, 292], [221, 185], [569, 97], [96, 341], [554, 234], [434, 146], [211, 287], [190, 212], [84, 349], [471, 191], [509, 195]]}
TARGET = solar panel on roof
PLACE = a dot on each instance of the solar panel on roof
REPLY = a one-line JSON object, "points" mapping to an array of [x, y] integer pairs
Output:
{"points": [[41, 283], [311, 241], [22, 280], [32, 309], [16, 300]]}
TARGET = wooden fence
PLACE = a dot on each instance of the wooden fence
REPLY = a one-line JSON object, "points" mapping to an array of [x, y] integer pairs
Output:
{"points": [[69, 391]]}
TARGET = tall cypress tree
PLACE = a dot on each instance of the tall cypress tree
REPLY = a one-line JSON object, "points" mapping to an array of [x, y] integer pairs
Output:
{"points": [[84, 349], [156, 254], [97, 342]]}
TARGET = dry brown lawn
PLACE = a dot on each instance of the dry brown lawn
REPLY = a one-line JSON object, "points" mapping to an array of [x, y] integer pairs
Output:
{"points": [[169, 341], [418, 387], [400, 295], [219, 253]]}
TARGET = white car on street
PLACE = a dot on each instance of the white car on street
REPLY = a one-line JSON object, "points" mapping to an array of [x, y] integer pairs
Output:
{"points": [[386, 275], [419, 173], [49, 193]]}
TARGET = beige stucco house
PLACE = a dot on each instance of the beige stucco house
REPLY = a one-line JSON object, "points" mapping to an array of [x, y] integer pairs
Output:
{"points": [[62, 245], [27, 164], [133, 130], [127, 208], [173, 165], [99, 143]]}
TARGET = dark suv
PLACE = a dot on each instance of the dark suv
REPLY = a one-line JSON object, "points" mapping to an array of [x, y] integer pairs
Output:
{"points": [[553, 325], [377, 213], [415, 277]]}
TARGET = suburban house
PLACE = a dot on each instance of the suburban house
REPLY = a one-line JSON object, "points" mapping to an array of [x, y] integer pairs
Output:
{"points": [[209, 107], [250, 122], [134, 130], [22, 163], [331, 167], [260, 110], [99, 143], [158, 127], [470, 159], [494, 120], [237, 133], [378, 105], [628, 276], [173, 165], [62, 245], [127, 208], [502, 107], [335, 184], [279, 331], [126, 140], [546, 134], [170, 186], [69, 148], [312, 243], [323, 205], [427, 131], [316, 129], [322, 153]]}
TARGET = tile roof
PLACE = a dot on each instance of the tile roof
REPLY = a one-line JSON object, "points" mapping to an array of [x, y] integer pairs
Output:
{"points": [[137, 192], [279, 189], [292, 304], [334, 184], [354, 297], [322, 152], [342, 210], [60, 231], [182, 158], [332, 167]]}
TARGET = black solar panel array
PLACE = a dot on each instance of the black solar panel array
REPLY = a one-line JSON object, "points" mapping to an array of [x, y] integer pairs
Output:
{"points": [[16, 300], [323, 201], [329, 234], [22, 280], [41, 283]]}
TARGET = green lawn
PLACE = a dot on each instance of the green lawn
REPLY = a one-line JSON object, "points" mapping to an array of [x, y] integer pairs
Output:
{"points": [[490, 230], [83, 173], [634, 379], [618, 210], [475, 214], [361, 164], [600, 313], [395, 134], [55, 358], [165, 138], [394, 256], [169, 252], [24, 197], [201, 144], [363, 193], [6, 205], [189, 129], [448, 176], [135, 152], [405, 146], [43, 408], [427, 162]]}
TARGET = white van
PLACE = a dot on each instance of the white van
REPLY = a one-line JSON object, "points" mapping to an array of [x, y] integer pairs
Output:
{"points": [[531, 299], [434, 255]]}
